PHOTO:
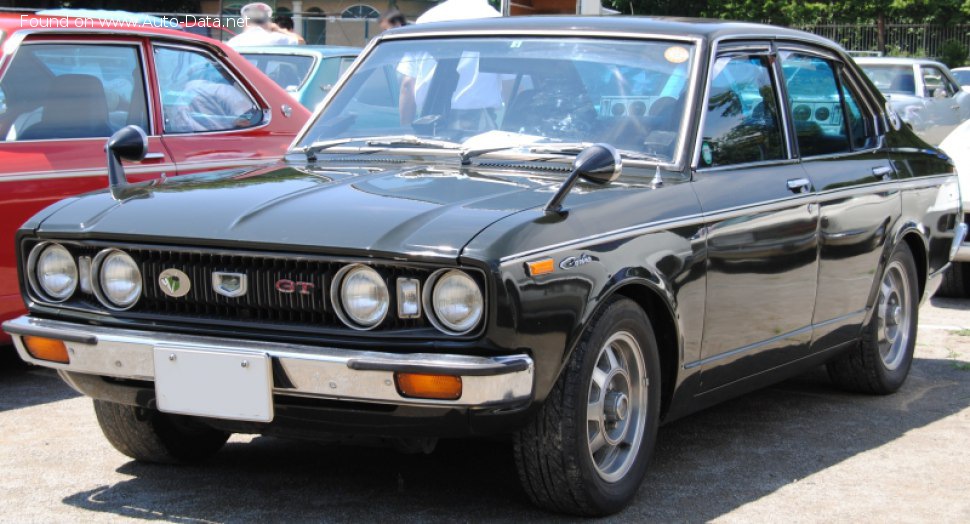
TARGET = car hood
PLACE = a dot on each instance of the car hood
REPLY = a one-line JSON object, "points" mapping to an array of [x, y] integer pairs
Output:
{"points": [[417, 210]]}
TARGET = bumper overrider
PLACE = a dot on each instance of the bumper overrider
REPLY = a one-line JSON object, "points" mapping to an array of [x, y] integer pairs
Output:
{"points": [[292, 369]]}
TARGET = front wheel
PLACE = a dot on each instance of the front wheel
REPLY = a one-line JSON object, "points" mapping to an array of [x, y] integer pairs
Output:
{"points": [[881, 361], [586, 450]]}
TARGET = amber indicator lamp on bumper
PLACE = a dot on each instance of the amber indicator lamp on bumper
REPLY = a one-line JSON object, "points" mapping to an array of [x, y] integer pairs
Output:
{"points": [[420, 385], [46, 349]]}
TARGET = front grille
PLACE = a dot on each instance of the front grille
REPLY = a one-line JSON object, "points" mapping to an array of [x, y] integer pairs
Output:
{"points": [[262, 306]]}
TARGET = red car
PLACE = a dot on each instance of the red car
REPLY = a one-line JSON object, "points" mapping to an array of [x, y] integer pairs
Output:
{"points": [[67, 84]]}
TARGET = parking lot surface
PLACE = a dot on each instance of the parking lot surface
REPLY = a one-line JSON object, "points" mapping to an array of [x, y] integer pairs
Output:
{"points": [[801, 451]]}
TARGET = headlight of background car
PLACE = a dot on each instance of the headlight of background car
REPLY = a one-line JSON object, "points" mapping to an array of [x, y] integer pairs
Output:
{"points": [[119, 278], [54, 271], [456, 301], [363, 298]]}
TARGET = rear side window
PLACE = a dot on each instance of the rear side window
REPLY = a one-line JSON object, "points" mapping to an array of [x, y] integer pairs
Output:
{"points": [[815, 104], [288, 71], [860, 125], [936, 84], [65, 91], [198, 94], [741, 124]]}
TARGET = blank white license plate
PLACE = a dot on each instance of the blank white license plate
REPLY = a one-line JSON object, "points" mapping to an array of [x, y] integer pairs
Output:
{"points": [[235, 386]]}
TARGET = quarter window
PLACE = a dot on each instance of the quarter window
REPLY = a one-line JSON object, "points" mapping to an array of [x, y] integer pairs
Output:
{"points": [[741, 124], [859, 123], [60, 91], [198, 94]]}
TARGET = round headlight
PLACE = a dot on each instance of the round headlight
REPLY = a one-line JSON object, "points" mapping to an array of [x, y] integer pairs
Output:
{"points": [[363, 297], [119, 279], [55, 272], [456, 301]]}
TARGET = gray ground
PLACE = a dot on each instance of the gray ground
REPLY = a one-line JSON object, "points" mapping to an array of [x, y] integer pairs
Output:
{"points": [[800, 451]]}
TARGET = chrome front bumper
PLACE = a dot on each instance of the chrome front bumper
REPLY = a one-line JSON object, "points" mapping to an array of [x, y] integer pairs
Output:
{"points": [[307, 371]]}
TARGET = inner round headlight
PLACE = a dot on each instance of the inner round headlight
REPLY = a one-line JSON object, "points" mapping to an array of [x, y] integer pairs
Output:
{"points": [[364, 298], [56, 272], [120, 279], [457, 301]]}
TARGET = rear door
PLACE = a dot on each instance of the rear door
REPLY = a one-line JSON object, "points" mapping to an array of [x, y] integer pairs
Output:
{"points": [[943, 108], [837, 138], [62, 99], [210, 118], [761, 221]]}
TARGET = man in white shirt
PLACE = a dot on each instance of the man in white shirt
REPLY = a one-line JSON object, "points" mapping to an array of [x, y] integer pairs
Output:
{"points": [[475, 90], [259, 28]]}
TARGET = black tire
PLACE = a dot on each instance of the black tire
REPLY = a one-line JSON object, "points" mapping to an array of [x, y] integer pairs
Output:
{"points": [[867, 368], [956, 281], [151, 436], [553, 454]]}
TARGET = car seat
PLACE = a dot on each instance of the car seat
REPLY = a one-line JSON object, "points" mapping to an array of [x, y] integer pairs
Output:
{"points": [[76, 108]]}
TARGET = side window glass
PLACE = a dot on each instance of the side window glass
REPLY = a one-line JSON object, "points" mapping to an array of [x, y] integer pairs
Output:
{"points": [[858, 121], [741, 123], [814, 104], [934, 83], [61, 91], [198, 94]]}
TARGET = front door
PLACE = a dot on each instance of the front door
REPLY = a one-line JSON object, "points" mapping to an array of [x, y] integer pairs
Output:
{"points": [[761, 221]]}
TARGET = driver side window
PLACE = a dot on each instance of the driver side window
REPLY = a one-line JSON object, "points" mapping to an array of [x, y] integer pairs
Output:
{"points": [[198, 94]]}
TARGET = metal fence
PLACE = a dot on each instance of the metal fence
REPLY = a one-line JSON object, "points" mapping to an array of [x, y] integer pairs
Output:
{"points": [[924, 40]]}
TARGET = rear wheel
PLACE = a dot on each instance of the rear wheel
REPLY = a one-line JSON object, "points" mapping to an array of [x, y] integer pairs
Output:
{"points": [[152, 436], [881, 361], [587, 449], [956, 281]]}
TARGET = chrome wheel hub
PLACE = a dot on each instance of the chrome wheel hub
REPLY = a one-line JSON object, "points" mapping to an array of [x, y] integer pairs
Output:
{"points": [[616, 409], [893, 316]]}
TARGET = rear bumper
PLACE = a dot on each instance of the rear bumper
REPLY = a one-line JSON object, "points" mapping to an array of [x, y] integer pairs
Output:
{"points": [[298, 370]]}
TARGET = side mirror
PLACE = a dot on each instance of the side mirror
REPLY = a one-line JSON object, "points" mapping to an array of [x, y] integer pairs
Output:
{"points": [[598, 163], [128, 143]]}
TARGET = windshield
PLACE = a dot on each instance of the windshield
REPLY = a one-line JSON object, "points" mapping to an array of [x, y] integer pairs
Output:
{"points": [[627, 93], [288, 71], [890, 79]]}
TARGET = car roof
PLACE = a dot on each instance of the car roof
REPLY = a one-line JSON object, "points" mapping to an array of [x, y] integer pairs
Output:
{"points": [[314, 50], [894, 60], [702, 28]]}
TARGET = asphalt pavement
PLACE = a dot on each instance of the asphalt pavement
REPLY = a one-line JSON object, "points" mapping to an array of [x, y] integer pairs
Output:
{"points": [[801, 451]]}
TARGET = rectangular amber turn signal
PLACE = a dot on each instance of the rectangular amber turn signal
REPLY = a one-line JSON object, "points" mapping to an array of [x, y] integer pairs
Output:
{"points": [[46, 349], [438, 387], [541, 267]]}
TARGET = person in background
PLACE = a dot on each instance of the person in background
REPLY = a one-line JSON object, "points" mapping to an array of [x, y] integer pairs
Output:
{"points": [[285, 25], [259, 28], [392, 19]]}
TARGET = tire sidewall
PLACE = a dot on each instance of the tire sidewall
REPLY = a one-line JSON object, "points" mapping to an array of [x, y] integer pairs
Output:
{"points": [[893, 378], [622, 315]]}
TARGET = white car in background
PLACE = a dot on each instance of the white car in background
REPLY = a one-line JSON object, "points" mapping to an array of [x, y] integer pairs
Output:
{"points": [[923, 93], [956, 281], [962, 76]]}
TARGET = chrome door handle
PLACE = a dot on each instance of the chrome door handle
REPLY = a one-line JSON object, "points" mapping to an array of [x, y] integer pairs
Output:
{"points": [[154, 156], [883, 172], [955, 107], [799, 185]]}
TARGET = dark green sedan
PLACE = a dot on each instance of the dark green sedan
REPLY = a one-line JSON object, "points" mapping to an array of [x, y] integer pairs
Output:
{"points": [[565, 230]]}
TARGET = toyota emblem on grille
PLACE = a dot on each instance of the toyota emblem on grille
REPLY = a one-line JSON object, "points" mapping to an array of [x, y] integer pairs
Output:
{"points": [[174, 283], [229, 284]]}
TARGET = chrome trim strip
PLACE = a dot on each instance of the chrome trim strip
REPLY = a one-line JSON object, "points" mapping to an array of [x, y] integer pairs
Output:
{"points": [[82, 173], [312, 371]]}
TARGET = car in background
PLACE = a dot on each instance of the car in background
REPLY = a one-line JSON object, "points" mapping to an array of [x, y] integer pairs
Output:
{"points": [[956, 281], [922, 92], [306, 72], [67, 84], [962, 76]]}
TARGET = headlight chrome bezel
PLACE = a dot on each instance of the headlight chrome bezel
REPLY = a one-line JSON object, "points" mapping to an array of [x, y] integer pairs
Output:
{"points": [[97, 285], [336, 296], [431, 311], [32, 261]]}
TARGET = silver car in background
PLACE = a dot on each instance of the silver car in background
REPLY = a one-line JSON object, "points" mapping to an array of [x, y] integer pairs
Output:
{"points": [[923, 93]]}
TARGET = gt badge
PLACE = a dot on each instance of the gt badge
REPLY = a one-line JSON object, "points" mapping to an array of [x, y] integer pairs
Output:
{"points": [[174, 283], [229, 284]]}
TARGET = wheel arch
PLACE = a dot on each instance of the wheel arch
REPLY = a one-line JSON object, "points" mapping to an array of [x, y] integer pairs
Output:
{"points": [[913, 238]]}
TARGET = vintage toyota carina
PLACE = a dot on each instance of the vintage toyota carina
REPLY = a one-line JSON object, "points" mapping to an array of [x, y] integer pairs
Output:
{"points": [[568, 230]]}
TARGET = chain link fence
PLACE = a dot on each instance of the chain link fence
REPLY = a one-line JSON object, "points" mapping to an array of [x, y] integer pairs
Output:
{"points": [[917, 40]]}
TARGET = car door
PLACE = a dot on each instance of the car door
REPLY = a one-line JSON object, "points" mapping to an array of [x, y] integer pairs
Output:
{"points": [[836, 137], [761, 221], [943, 110], [62, 99], [203, 101]]}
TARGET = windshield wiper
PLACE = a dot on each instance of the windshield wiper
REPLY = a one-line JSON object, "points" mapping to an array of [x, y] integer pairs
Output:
{"points": [[574, 148], [387, 141]]}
